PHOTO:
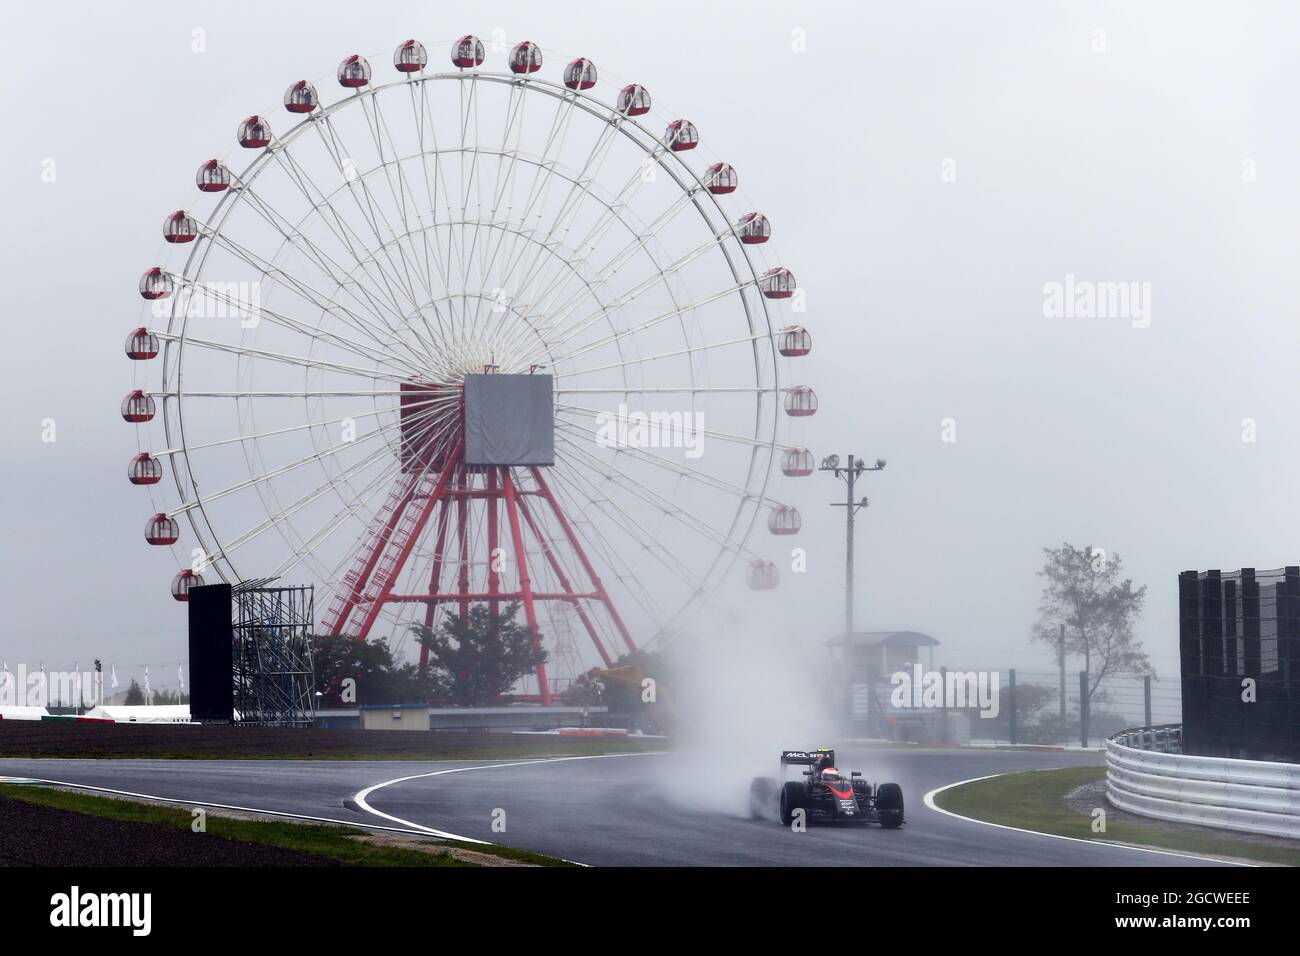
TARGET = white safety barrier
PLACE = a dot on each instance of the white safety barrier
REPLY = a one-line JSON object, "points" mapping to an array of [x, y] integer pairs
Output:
{"points": [[1145, 774]]}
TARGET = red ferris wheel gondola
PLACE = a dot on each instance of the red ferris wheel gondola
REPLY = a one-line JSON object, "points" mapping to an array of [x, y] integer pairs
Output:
{"points": [[580, 74], [468, 52], [796, 462], [301, 97], [634, 100], [794, 341], [410, 57], [526, 57], [141, 345], [144, 469], [162, 530], [354, 72], [212, 177], [254, 133], [183, 582]]}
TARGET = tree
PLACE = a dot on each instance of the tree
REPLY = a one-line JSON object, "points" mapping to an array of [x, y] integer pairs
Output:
{"points": [[1098, 608], [134, 695], [479, 657], [376, 677]]}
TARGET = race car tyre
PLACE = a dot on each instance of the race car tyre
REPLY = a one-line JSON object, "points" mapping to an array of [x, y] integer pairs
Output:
{"points": [[791, 800], [889, 805]]}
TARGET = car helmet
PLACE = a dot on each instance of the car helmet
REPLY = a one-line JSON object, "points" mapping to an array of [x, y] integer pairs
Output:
{"points": [[831, 775]]}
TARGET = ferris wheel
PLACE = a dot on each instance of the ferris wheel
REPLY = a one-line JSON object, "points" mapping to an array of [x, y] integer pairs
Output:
{"points": [[471, 337]]}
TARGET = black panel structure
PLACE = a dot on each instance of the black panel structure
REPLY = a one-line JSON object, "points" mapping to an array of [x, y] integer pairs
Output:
{"points": [[1235, 626], [211, 654], [509, 420]]}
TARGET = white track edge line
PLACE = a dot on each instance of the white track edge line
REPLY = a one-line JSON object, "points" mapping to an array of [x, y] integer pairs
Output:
{"points": [[929, 802], [359, 798]]}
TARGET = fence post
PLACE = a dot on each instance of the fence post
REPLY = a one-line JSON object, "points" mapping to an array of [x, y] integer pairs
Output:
{"points": [[1146, 698], [1012, 715], [1083, 708]]}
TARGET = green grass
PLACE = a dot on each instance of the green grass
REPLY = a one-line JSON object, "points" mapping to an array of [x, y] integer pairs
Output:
{"points": [[1035, 800], [334, 842]]}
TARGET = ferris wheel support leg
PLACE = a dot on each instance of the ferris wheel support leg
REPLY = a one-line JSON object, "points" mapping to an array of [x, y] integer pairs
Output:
{"points": [[359, 587], [525, 583], [563, 578], [597, 585], [435, 577], [462, 531], [372, 612], [494, 577]]}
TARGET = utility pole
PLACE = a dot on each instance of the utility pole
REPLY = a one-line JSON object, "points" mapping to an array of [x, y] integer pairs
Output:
{"points": [[1060, 658], [849, 474]]}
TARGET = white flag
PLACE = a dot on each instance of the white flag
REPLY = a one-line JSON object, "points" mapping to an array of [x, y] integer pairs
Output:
{"points": [[113, 674], [146, 683], [180, 677], [5, 676]]}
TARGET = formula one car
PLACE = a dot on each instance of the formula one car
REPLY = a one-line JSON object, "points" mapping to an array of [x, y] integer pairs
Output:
{"points": [[824, 793]]}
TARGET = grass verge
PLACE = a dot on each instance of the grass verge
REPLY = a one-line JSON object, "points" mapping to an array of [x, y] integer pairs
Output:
{"points": [[349, 845], [1036, 800]]}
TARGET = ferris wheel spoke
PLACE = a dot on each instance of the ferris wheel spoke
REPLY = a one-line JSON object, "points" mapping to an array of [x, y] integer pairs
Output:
{"points": [[690, 474], [309, 294], [585, 495], [339, 153], [639, 243], [648, 324], [297, 360], [664, 273], [258, 436], [593, 496], [749, 440], [399, 189], [423, 121], [571, 203], [675, 353], [339, 228], [666, 506], [386, 359], [285, 513], [344, 514], [605, 221], [295, 236], [208, 497], [539, 186]]}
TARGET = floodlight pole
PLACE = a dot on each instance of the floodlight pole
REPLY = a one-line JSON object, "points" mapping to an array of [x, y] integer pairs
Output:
{"points": [[849, 474]]}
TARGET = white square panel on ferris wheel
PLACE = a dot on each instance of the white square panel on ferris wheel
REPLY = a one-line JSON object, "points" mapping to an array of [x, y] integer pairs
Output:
{"points": [[509, 420]]}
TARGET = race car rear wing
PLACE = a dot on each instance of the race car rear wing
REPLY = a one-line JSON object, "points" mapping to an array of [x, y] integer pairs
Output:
{"points": [[806, 758]]}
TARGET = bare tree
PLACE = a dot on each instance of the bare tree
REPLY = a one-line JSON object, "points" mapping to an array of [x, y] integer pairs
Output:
{"points": [[1096, 607]]}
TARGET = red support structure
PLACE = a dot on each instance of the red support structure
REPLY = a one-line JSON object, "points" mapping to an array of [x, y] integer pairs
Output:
{"points": [[525, 583], [445, 484], [435, 576], [582, 556]]}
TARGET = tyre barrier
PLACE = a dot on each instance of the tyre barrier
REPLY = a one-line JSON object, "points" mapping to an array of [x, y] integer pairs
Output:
{"points": [[1147, 774]]}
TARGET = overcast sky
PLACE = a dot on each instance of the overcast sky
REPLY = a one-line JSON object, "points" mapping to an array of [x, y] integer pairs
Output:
{"points": [[929, 168]]}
